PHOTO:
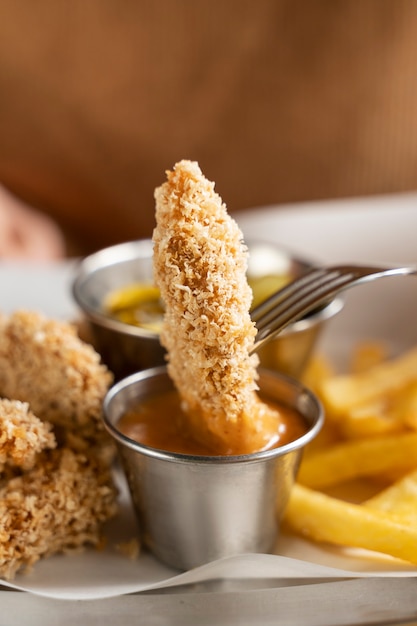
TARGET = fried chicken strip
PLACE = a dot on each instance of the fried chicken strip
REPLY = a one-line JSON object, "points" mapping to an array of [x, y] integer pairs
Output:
{"points": [[44, 362], [52, 499], [58, 506], [200, 264]]}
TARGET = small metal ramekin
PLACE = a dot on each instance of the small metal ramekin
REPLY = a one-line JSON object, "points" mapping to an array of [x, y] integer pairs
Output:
{"points": [[127, 349], [196, 509]]}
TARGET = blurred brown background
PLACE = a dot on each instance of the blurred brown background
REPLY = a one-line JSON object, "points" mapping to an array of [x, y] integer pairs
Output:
{"points": [[278, 100]]}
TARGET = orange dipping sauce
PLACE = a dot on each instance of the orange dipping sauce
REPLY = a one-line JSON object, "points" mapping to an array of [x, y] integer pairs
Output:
{"points": [[159, 422]]}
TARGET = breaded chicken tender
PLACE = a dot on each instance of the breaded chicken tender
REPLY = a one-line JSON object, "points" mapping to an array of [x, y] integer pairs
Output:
{"points": [[43, 362], [59, 506], [56, 486], [22, 435], [200, 264]]}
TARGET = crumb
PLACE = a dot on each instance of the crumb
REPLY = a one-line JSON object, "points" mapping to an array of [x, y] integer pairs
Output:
{"points": [[130, 549]]}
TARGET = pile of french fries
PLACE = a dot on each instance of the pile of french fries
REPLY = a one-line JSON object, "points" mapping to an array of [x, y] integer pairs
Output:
{"points": [[357, 484]]}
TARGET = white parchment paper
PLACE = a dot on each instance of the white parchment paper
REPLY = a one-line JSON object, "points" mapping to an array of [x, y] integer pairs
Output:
{"points": [[108, 573]]}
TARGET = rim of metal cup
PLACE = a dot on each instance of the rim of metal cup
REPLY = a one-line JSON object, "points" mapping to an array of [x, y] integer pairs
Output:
{"points": [[108, 257], [176, 457], [142, 249]]}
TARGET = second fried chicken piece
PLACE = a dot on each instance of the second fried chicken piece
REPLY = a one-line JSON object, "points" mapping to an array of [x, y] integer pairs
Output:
{"points": [[51, 500], [43, 362], [58, 506]]}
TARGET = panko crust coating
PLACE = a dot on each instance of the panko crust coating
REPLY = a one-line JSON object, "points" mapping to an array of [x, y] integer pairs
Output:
{"points": [[56, 484], [200, 264], [22, 435], [45, 363], [58, 506]]}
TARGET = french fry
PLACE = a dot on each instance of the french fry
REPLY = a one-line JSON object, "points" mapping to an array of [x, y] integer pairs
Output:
{"points": [[407, 407], [367, 354], [317, 371], [392, 413], [362, 457], [370, 420], [365, 459], [325, 519], [341, 394], [328, 436], [399, 499], [373, 402]]}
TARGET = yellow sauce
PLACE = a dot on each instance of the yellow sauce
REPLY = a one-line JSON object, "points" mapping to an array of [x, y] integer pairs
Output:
{"points": [[140, 304]]}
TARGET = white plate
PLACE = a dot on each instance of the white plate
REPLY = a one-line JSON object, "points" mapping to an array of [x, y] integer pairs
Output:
{"points": [[378, 230]]}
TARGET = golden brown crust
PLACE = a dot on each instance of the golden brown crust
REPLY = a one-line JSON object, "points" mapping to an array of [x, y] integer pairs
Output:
{"points": [[43, 362], [22, 435], [58, 506], [200, 264], [50, 500]]}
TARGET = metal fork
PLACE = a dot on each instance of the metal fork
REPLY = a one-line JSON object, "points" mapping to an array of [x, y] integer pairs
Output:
{"points": [[309, 292]]}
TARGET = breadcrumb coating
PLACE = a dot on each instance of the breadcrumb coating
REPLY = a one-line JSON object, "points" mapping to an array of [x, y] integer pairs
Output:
{"points": [[22, 435], [200, 264], [59, 506], [44, 362], [56, 485]]}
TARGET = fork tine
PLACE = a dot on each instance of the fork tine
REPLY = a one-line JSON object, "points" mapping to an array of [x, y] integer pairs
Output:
{"points": [[310, 279], [291, 293], [300, 303], [306, 301], [310, 291], [286, 292]]}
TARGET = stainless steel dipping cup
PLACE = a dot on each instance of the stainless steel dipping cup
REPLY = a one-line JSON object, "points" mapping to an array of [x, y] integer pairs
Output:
{"points": [[196, 509]]}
